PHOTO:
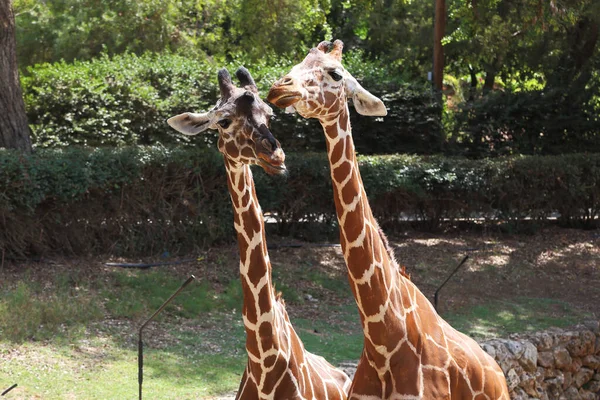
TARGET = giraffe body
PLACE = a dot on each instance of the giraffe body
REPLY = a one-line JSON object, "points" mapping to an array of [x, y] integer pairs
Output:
{"points": [[409, 352], [278, 365]]}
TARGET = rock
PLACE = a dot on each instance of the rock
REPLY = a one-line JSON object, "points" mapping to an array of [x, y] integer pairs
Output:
{"points": [[540, 374], [585, 395], [583, 376], [490, 349], [554, 386], [504, 358], [543, 341], [582, 345], [576, 364], [593, 386], [545, 359], [572, 394], [528, 384], [309, 297], [568, 380], [349, 368], [552, 373], [515, 347], [529, 357], [550, 365], [591, 361], [512, 379], [593, 326], [562, 358], [519, 394]]}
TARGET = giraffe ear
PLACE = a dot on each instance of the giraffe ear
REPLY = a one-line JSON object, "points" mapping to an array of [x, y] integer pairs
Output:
{"points": [[190, 123], [364, 102]]}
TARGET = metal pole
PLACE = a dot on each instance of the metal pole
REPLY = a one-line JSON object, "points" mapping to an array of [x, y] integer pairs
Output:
{"points": [[9, 389], [141, 343], [435, 296]]}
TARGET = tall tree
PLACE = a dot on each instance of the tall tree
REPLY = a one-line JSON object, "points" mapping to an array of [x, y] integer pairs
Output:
{"points": [[14, 131], [438, 49]]}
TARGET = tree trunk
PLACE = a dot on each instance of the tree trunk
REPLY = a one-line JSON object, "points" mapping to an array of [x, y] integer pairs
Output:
{"points": [[14, 131], [488, 84], [473, 86], [438, 49]]}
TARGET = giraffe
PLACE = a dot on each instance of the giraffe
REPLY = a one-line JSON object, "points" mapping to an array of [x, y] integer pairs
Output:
{"points": [[278, 365], [409, 351]]}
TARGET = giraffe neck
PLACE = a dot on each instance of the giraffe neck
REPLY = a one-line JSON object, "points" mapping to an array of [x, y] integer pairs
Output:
{"points": [[373, 275], [259, 301]]}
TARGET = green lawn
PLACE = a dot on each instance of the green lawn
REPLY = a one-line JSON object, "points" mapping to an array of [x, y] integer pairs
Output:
{"points": [[74, 337]]}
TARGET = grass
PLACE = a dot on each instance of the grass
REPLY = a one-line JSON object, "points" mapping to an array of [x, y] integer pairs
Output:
{"points": [[29, 312], [195, 349], [74, 336], [522, 314], [101, 368], [338, 340]]}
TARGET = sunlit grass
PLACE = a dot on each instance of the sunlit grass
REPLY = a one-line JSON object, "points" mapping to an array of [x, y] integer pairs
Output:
{"points": [[523, 314], [74, 339], [88, 369], [338, 340]]}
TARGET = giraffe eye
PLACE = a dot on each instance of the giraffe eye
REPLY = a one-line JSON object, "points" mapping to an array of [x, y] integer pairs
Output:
{"points": [[224, 123], [336, 77]]}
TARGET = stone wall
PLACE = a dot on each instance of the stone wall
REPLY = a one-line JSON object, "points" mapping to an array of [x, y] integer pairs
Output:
{"points": [[557, 364]]}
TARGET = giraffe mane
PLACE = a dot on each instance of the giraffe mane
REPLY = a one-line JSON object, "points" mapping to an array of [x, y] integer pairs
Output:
{"points": [[390, 251]]}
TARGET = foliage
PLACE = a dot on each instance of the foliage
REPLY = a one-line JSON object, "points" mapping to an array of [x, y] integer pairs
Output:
{"points": [[115, 101], [528, 122], [151, 200], [74, 29], [543, 55], [70, 30], [125, 100], [130, 200]]}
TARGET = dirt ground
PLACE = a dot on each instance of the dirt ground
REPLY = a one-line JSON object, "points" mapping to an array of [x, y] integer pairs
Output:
{"points": [[554, 263], [557, 268]]}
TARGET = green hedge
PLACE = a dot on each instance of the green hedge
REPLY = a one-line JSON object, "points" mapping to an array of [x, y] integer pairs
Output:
{"points": [[125, 99], [140, 201]]}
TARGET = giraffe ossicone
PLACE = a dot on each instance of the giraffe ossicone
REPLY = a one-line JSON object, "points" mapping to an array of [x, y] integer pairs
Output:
{"points": [[409, 351], [278, 365]]}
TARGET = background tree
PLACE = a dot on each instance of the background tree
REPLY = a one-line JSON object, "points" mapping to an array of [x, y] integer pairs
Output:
{"points": [[530, 67], [14, 131]]}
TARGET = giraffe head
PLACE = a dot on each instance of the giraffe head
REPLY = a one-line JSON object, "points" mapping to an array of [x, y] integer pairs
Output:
{"points": [[242, 120], [319, 86]]}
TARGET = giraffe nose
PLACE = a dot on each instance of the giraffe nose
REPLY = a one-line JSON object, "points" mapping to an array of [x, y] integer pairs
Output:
{"points": [[268, 140], [268, 145], [286, 81]]}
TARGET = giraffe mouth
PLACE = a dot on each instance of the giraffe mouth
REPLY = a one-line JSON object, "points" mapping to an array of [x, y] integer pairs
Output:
{"points": [[272, 162], [272, 169], [282, 99]]}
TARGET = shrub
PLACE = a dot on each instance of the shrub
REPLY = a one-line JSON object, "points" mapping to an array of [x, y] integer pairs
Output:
{"points": [[125, 100], [530, 122], [138, 201], [115, 101]]}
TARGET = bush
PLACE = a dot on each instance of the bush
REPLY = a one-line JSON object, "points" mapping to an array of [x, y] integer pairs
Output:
{"points": [[124, 201], [125, 100], [141, 201], [530, 122], [115, 101]]}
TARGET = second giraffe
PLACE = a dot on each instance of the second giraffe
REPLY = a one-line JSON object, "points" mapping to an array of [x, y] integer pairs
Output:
{"points": [[409, 351], [278, 366]]}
